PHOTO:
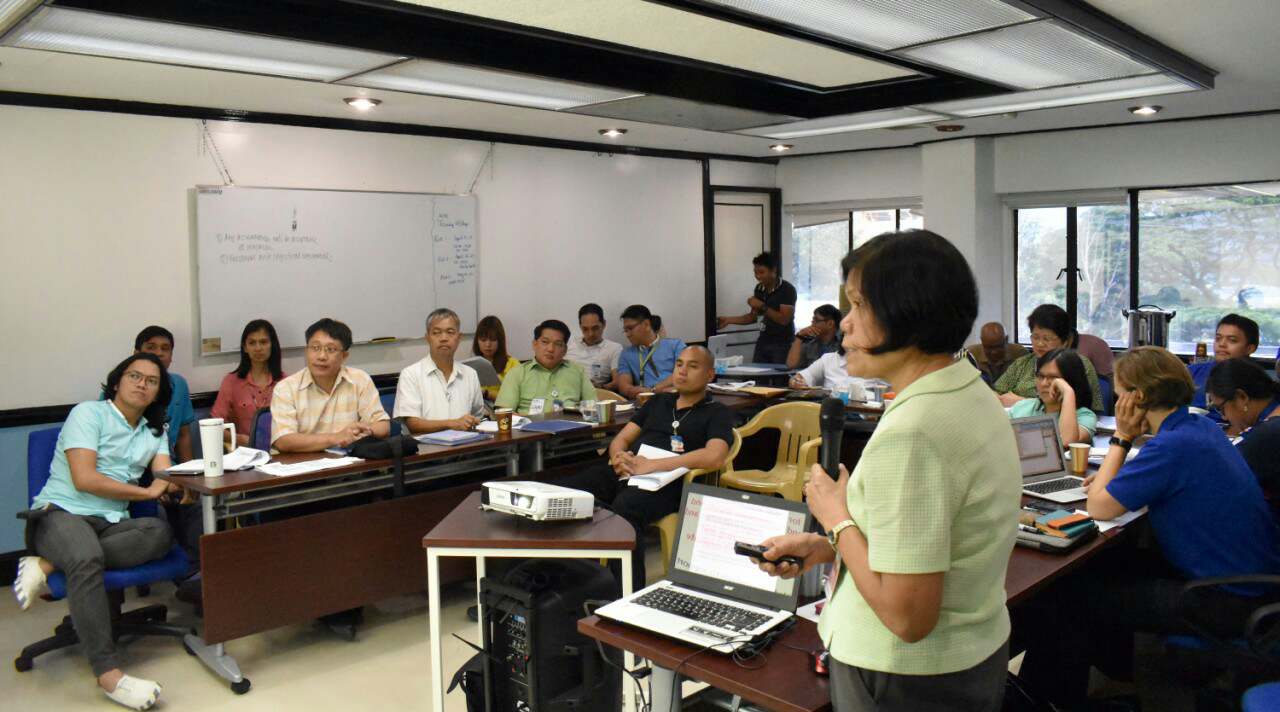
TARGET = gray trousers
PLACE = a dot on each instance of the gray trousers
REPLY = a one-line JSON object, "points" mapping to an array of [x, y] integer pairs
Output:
{"points": [[978, 689], [82, 547]]}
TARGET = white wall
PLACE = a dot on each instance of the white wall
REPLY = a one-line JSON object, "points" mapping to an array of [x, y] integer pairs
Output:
{"points": [[96, 234], [889, 176], [738, 173], [1181, 153], [964, 186]]}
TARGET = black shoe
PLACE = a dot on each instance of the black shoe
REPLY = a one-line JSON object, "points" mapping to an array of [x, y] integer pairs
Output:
{"points": [[473, 614], [343, 623], [190, 591]]}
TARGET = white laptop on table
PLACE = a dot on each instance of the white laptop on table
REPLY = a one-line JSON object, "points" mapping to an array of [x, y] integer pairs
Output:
{"points": [[1044, 468], [713, 597]]}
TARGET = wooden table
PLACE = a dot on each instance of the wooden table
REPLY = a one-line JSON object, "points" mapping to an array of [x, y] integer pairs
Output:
{"points": [[788, 683], [468, 531], [262, 577]]}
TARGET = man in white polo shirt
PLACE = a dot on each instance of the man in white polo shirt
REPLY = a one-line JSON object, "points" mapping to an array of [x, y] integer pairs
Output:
{"points": [[436, 393], [594, 352]]}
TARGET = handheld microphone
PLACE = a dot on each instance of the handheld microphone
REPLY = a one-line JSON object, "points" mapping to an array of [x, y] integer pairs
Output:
{"points": [[831, 422]]}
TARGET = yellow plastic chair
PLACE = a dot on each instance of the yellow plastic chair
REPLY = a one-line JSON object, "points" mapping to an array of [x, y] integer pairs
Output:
{"points": [[605, 394], [668, 525], [798, 444]]}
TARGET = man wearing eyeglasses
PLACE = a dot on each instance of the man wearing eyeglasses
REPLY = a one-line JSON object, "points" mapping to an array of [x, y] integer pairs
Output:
{"points": [[816, 339], [326, 404], [536, 386]]}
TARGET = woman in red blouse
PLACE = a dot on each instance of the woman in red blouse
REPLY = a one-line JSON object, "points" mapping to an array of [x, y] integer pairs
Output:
{"points": [[248, 388]]}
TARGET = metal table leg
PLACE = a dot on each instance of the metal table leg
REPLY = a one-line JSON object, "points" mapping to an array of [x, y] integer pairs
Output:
{"points": [[215, 656]]}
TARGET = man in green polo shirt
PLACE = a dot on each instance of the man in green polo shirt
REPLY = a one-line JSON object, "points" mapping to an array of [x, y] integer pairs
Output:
{"points": [[534, 386]]}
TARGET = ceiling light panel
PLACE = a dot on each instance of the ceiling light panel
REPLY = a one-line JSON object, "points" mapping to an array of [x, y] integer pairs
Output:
{"points": [[1129, 88], [103, 35], [13, 10], [846, 123], [1030, 56], [884, 24], [423, 76]]}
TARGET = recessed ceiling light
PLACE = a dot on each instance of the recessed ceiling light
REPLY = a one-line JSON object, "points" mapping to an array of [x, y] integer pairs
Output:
{"points": [[612, 133], [362, 103], [1145, 110], [780, 147]]}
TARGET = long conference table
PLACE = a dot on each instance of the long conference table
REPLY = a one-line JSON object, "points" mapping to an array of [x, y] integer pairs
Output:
{"points": [[365, 544]]}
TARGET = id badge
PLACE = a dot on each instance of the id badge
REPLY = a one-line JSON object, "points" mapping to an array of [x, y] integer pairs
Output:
{"points": [[537, 405], [677, 444]]}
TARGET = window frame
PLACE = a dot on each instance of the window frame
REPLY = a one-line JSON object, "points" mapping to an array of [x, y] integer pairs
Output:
{"points": [[1070, 202]]}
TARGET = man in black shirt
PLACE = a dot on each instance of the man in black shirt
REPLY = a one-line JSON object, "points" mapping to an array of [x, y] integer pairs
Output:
{"points": [[774, 299], [688, 423]]}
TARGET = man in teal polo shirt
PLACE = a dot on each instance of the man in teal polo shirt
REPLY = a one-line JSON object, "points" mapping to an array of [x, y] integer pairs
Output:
{"points": [[646, 364], [535, 386]]}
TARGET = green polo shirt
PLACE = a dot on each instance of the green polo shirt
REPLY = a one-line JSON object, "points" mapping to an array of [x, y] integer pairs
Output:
{"points": [[1020, 379], [530, 380], [937, 489]]}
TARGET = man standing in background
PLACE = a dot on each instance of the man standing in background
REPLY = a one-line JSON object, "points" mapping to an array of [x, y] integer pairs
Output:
{"points": [[774, 301]]}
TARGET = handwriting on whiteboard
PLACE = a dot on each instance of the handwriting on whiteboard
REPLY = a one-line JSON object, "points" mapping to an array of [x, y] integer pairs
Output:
{"points": [[248, 248], [454, 247]]}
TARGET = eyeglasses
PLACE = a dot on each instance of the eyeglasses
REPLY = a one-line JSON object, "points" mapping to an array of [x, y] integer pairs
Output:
{"points": [[1051, 338], [326, 350], [135, 377], [553, 344]]}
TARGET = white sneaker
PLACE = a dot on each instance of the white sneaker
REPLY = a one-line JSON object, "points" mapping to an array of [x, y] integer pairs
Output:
{"points": [[29, 582], [135, 693]]}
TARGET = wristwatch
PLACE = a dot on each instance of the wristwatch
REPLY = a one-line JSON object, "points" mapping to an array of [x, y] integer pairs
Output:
{"points": [[1126, 444], [833, 536]]}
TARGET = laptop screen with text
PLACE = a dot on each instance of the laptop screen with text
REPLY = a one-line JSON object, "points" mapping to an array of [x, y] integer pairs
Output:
{"points": [[714, 519]]}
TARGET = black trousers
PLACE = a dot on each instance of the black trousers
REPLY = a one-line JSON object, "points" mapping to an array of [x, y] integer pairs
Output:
{"points": [[771, 351], [1090, 619], [633, 504], [977, 689]]}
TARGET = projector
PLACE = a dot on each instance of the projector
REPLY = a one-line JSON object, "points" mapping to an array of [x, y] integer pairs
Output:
{"points": [[538, 501]]}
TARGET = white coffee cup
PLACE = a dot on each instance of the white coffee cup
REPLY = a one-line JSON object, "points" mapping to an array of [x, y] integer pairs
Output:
{"points": [[211, 444]]}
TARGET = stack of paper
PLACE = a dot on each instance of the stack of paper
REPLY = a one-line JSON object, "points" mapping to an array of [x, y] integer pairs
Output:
{"points": [[729, 387], [451, 437], [279, 469], [655, 481], [243, 458]]}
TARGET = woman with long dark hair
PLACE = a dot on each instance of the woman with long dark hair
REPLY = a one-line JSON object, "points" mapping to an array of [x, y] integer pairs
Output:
{"points": [[79, 522], [248, 388], [1062, 387], [490, 342]]}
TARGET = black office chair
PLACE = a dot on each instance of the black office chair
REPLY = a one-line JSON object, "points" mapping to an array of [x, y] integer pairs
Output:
{"points": [[1248, 660]]}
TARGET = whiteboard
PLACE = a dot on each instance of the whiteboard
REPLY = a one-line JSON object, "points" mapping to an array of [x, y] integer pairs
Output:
{"points": [[380, 262]]}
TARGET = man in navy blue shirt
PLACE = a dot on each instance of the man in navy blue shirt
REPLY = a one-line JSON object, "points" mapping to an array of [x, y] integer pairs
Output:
{"points": [[1235, 337], [1207, 513]]}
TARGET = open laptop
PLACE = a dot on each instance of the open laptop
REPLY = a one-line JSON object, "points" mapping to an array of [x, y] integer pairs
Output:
{"points": [[484, 371], [1044, 468], [714, 597]]}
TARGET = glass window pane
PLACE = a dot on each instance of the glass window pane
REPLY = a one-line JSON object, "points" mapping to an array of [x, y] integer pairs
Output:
{"points": [[816, 251], [910, 219], [1102, 254], [1042, 252], [1206, 252], [869, 223]]}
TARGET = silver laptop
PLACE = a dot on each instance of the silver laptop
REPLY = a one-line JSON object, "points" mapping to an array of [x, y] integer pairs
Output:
{"points": [[1044, 468], [484, 371], [714, 597]]}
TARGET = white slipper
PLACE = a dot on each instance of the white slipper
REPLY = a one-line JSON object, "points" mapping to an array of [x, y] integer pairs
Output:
{"points": [[29, 582], [135, 693]]}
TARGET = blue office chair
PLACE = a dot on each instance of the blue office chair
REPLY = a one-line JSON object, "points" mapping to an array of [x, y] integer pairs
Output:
{"points": [[1108, 395], [148, 620], [1263, 698], [388, 401], [260, 437]]}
